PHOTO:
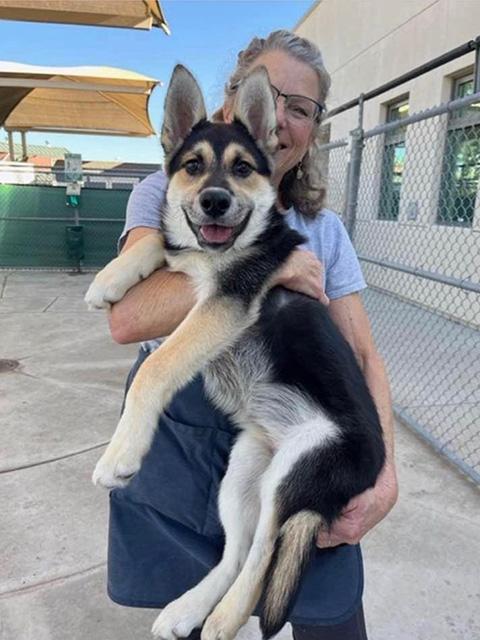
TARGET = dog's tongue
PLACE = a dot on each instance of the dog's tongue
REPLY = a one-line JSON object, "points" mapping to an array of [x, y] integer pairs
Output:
{"points": [[216, 234]]}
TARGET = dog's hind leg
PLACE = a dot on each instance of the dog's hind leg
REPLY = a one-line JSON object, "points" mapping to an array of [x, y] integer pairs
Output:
{"points": [[239, 506], [239, 602]]}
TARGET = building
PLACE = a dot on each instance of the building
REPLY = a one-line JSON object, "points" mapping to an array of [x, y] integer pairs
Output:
{"points": [[419, 201], [38, 155]]}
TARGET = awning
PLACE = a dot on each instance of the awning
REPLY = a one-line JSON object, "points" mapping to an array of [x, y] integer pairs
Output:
{"points": [[97, 100], [134, 14]]}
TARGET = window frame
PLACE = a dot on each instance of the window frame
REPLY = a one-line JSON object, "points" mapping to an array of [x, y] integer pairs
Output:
{"points": [[389, 200], [466, 122]]}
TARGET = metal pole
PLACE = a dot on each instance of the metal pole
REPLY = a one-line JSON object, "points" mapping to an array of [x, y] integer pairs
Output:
{"points": [[24, 146], [462, 50], [476, 75], [11, 148], [354, 167]]}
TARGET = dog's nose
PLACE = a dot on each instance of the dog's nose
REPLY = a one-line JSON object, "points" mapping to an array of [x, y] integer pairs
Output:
{"points": [[215, 201]]}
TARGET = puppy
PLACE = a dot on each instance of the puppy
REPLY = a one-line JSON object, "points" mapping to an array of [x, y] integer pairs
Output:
{"points": [[272, 360]]}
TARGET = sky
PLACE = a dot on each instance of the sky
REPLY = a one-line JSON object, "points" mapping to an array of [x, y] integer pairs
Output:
{"points": [[206, 37]]}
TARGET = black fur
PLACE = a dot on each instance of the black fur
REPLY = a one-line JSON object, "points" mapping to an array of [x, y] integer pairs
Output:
{"points": [[246, 277], [309, 352], [219, 136]]}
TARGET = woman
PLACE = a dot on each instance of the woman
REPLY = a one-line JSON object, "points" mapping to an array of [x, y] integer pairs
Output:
{"points": [[164, 529]]}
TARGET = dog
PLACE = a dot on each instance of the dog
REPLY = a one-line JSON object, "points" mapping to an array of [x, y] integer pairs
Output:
{"points": [[310, 436]]}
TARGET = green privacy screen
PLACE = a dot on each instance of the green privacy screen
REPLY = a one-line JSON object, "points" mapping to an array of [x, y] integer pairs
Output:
{"points": [[39, 229]]}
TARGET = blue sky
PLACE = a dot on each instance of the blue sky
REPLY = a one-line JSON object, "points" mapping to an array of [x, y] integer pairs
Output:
{"points": [[206, 36]]}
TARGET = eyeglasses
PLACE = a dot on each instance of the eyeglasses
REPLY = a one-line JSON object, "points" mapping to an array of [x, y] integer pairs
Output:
{"points": [[299, 108]]}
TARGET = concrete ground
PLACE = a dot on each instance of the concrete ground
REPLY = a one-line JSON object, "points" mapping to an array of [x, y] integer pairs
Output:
{"points": [[59, 407]]}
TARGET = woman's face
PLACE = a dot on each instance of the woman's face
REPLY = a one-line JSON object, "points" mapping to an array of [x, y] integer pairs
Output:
{"points": [[291, 77]]}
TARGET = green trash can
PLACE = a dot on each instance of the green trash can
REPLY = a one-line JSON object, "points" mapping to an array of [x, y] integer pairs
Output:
{"points": [[75, 245]]}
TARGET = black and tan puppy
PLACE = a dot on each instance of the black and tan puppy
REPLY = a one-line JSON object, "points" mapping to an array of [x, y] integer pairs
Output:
{"points": [[273, 360]]}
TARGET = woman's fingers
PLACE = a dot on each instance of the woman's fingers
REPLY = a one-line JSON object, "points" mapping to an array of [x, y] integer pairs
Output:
{"points": [[303, 272]]}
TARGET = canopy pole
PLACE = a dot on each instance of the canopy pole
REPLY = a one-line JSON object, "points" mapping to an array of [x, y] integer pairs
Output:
{"points": [[11, 151], [24, 146]]}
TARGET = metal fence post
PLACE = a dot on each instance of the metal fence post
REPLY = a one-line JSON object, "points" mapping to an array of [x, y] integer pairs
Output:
{"points": [[354, 168], [476, 71], [11, 148]]}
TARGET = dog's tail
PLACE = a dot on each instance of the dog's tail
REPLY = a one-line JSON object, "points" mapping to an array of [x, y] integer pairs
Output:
{"points": [[293, 549]]}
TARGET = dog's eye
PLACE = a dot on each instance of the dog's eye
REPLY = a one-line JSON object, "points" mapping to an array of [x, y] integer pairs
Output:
{"points": [[242, 169], [193, 166]]}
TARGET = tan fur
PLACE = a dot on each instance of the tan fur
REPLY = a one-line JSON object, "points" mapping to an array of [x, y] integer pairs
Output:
{"points": [[234, 151], [295, 542], [188, 186], [192, 185], [202, 149], [208, 329]]}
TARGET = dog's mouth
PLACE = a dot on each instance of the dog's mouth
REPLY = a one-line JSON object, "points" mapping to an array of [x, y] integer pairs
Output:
{"points": [[215, 234]]}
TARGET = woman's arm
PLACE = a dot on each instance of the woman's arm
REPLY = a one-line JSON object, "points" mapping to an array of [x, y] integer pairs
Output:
{"points": [[366, 510], [157, 305], [153, 307]]}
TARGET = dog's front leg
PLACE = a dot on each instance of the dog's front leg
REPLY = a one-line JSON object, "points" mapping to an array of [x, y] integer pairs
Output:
{"points": [[137, 263], [210, 327]]}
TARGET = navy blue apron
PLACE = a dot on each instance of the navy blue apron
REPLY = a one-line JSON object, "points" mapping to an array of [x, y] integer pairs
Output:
{"points": [[165, 534]]}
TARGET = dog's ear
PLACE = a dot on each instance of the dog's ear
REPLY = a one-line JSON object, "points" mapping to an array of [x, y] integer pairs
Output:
{"points": [[254, 106], [184, 108]]}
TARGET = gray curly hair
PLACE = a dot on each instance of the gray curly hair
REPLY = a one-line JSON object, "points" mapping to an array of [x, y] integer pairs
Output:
{"points": [[307, 192]]}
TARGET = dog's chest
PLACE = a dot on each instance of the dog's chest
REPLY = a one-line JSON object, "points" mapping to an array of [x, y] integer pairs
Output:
{"points": [[233, 378]]}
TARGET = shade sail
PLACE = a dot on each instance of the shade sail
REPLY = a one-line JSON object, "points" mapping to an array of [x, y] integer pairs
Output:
{"points": [[99, 100], [135, 14]]}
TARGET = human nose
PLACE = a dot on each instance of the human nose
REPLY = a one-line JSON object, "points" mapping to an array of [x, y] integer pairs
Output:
{"points": [[281, 113]]}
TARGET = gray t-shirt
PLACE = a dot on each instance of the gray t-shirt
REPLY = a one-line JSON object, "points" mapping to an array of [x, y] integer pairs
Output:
{"points": [[327, 236]]}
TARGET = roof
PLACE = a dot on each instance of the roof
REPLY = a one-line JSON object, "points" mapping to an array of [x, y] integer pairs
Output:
{"points": [[100, 100], [134, 14], [36, 150]]}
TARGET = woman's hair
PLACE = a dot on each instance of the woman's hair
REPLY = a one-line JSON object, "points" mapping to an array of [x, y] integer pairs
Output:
{"points": [[305, 193]]}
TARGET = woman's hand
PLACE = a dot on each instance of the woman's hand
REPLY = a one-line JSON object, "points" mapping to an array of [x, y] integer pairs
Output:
{"points": [[303, 272], [363, 512]]}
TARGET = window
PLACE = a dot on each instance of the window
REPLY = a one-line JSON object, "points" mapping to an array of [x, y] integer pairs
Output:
{"points": [[461, 161], [393, 163]]}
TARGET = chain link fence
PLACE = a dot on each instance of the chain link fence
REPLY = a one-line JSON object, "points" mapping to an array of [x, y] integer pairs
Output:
{"points": [[409, 193]]}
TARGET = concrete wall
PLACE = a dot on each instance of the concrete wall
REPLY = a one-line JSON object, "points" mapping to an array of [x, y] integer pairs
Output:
{"points": [[366, 43]]}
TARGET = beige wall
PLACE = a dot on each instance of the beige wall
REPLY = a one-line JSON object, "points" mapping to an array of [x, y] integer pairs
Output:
{"points": [[366, 43]]}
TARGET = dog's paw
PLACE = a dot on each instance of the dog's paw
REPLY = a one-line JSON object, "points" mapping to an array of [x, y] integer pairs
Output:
{"points": [[106, 289], [179, 619], [222, 624], [117, 466]]}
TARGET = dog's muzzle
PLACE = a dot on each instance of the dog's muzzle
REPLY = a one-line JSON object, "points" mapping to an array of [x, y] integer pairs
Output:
{"points": [[215, 202], [216, 221]]}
